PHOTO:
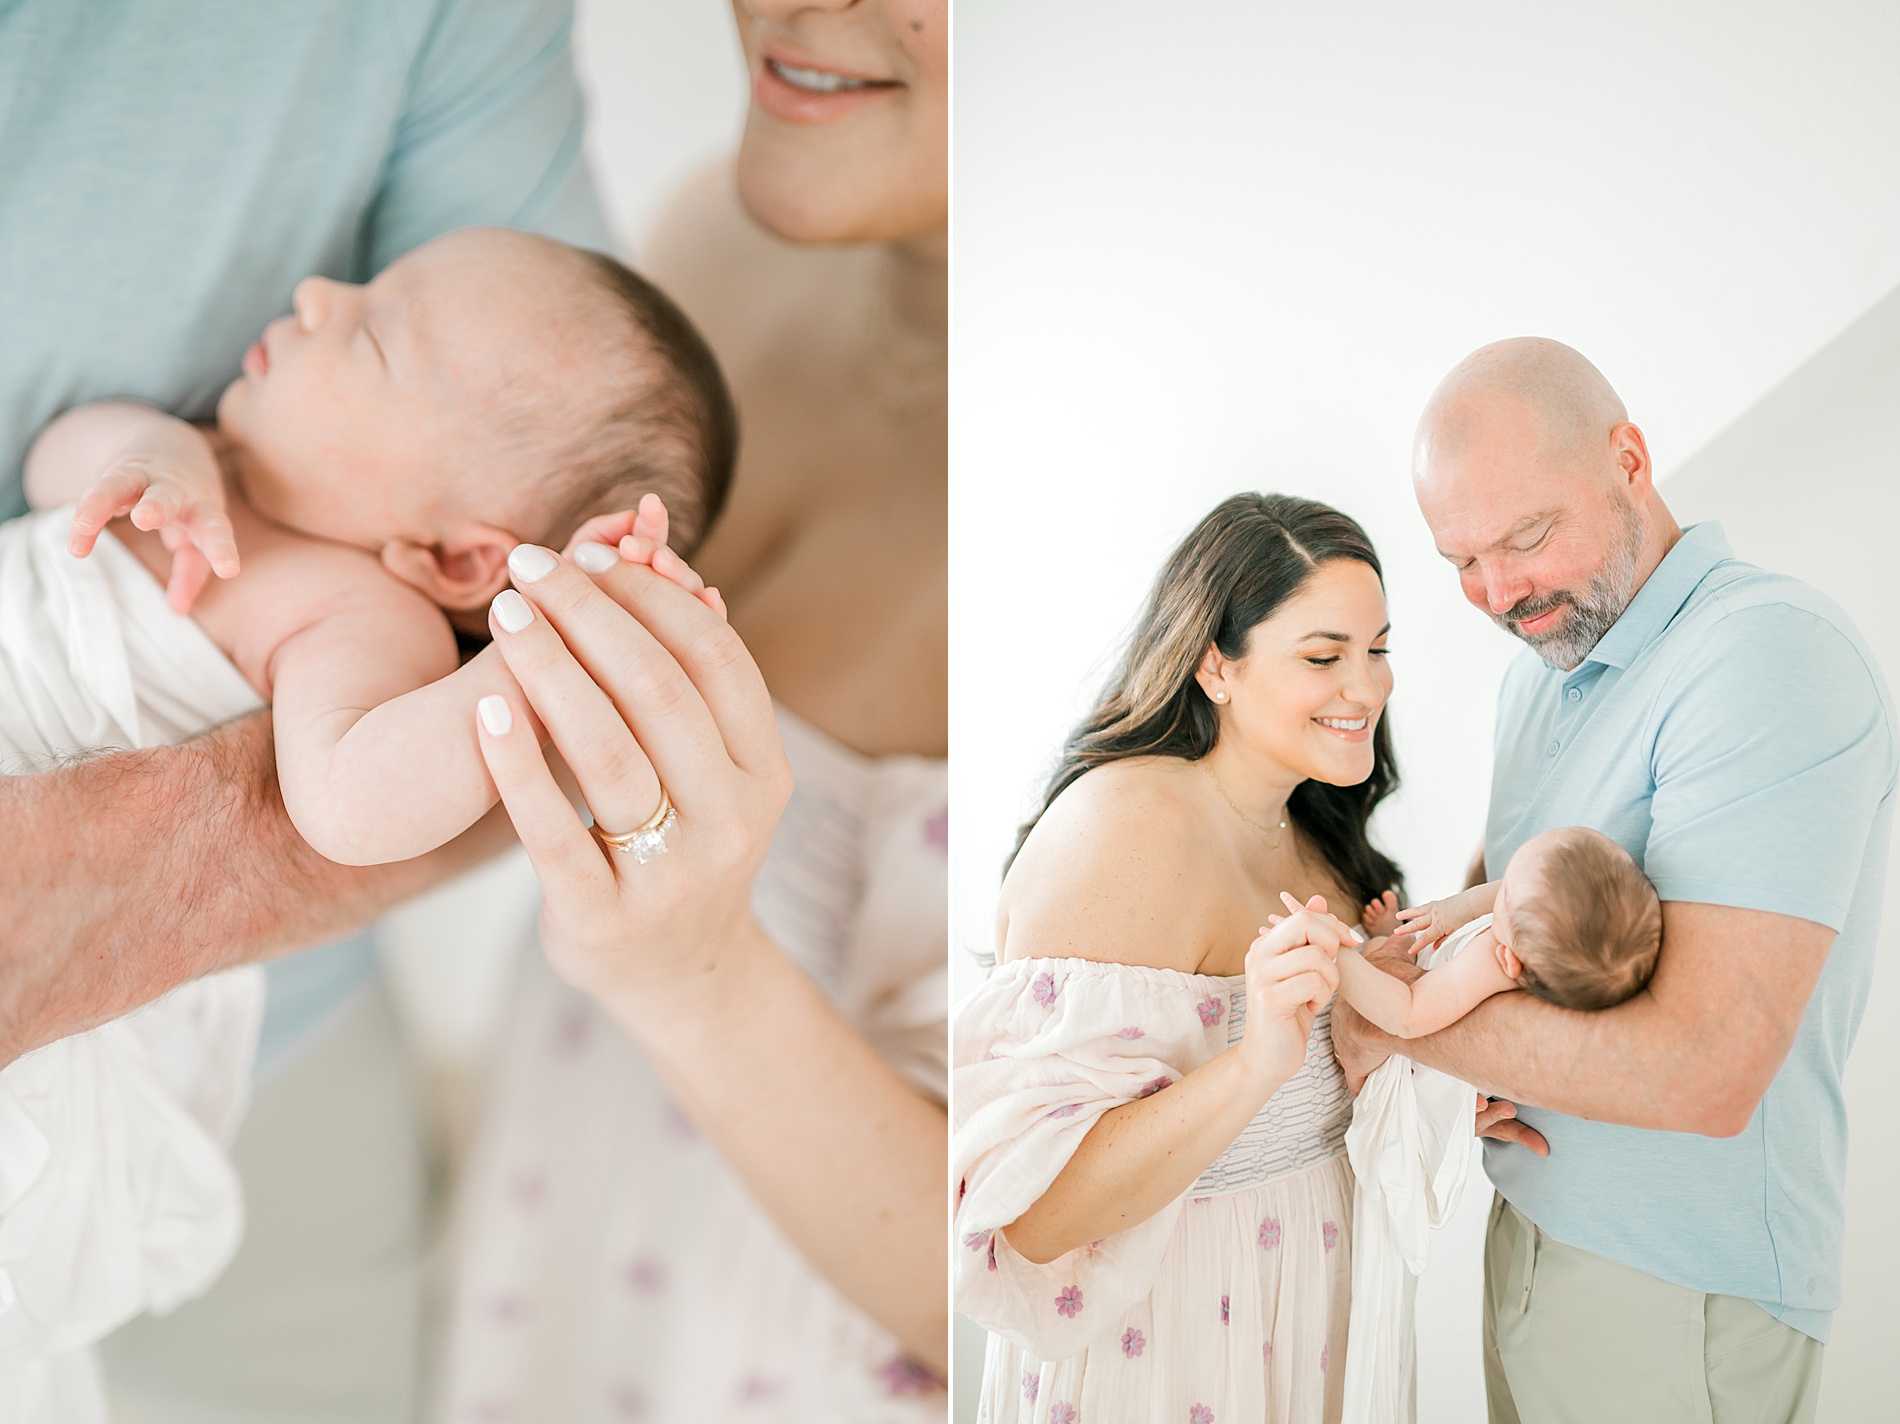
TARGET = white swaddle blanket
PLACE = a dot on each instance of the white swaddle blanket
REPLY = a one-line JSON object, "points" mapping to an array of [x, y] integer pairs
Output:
{"points": [[116, 1196], [1410, 1148]]}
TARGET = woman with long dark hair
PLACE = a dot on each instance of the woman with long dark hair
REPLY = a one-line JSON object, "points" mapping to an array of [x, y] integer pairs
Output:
{"points": [[1155, 1206]]}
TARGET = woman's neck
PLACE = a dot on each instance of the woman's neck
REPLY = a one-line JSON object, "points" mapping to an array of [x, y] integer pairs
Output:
{"points": [[914, 282], [1256, 785]]}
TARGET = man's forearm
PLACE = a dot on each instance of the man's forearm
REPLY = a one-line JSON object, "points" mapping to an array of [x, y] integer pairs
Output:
{"points": [[128, 874]]}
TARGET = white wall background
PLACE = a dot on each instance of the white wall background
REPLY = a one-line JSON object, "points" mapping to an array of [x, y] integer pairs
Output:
{"points": [[1232, 245]]}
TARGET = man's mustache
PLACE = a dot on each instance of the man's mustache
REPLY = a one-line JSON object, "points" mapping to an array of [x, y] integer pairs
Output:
{"points": [[1525, 609]]}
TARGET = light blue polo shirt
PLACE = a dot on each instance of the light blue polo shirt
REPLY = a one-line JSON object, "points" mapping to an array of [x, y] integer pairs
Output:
{"points": [[1733, 733], [168, 172]]}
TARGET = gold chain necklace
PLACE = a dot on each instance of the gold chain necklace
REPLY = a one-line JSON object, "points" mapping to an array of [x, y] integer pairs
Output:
{"points": [[1236, 809]]}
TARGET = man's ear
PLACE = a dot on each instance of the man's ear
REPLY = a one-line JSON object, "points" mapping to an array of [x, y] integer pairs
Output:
{"points": [[466, 570]]}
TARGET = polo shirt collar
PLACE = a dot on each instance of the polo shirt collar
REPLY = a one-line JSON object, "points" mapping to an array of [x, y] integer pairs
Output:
{"points": [[1700, 549]]}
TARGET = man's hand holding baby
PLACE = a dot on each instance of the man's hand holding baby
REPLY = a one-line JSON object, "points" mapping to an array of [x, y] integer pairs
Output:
{"points": [[165, 476]]}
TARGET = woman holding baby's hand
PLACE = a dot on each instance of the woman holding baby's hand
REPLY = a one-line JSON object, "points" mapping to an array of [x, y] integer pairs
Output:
{"points": [[711, 1180], [1155, 1206]]}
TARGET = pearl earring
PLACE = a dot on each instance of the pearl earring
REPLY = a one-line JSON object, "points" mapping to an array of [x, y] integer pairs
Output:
{"points": [[1220, 697]]}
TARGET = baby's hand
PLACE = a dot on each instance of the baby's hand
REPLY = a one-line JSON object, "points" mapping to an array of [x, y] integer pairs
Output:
{"points": [[1435, 919], [1381, 916], [168, 481], [641, 537]]}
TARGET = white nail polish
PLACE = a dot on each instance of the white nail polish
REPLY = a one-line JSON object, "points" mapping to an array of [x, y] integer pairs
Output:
{"points": [[495, 715], [595, 558], [1359, 936], [530, 563], [512, 611]]}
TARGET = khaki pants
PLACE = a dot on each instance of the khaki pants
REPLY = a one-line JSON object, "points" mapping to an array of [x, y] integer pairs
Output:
{"points": [[1570, 1338]]}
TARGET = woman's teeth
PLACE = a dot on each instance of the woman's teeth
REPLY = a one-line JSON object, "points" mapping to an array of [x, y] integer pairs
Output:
{"points": [[1343, 724], [817, 81]]}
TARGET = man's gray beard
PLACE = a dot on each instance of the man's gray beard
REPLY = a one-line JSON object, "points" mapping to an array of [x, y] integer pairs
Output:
{"points": [[1593, 612]]}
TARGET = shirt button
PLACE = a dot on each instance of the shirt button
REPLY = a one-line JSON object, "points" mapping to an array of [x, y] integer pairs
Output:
{"points": [[1554, 746], [1576, 694]]}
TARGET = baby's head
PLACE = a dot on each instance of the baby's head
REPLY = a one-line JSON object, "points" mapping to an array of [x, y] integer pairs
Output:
{"points": [[1580, 917], [487, 388]]}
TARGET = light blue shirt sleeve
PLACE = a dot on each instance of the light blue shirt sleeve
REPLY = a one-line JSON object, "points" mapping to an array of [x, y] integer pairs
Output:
{"points": [[1770, 762], [491, 132]]}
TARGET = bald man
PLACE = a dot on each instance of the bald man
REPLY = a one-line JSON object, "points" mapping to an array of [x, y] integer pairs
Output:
{"points": [[1676, 1255]]}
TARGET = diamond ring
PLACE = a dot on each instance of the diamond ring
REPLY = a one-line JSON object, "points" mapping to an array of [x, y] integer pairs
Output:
{"points": [[646, 841]]}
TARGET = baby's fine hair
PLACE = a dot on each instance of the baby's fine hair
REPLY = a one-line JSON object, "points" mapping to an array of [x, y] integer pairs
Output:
{"points": [[1590, 936], [672, 429]]}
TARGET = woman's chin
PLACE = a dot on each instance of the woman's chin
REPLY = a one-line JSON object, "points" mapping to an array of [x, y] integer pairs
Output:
{"points": [[808, 187]]}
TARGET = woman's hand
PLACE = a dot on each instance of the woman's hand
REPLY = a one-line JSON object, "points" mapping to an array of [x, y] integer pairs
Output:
{"points": [[640, 684], [1292, 973]]}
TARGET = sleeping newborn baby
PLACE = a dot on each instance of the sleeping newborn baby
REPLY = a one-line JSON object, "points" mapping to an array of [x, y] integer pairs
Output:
{"points": [[369, 474], [1573, 921]]}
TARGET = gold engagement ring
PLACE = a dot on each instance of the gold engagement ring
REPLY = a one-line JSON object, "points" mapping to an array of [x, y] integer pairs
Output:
{"points": [[646, 841]]}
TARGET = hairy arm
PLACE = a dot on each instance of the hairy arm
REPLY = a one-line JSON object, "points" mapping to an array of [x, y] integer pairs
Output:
{"points": [[129, 874], [1693, 1052], [1425, 1004]]}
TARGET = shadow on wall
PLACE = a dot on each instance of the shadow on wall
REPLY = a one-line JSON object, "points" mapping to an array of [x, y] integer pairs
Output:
{"points": [[1807, 483]]}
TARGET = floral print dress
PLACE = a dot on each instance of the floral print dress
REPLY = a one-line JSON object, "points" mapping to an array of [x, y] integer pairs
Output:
{"points": [[608, 1266], [1230, 1306]]}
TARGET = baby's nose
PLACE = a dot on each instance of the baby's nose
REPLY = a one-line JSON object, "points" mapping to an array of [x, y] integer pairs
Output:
{"points": [[310, 300]]}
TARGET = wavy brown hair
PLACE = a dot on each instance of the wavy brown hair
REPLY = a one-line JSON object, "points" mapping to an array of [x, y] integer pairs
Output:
{"points": [[1247, 557]]}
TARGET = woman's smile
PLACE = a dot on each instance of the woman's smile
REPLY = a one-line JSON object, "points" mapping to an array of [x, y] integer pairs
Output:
{"points": [[801, 92], [1347, 729]]}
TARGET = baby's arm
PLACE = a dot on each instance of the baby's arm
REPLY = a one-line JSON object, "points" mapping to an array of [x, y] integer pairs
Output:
{"points": [[376, 746], [119, 457], [1429, 1002], [1435, 919]]}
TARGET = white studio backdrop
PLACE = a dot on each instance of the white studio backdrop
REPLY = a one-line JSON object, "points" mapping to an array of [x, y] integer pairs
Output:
{"points": [[666, 93], [1232, 245]]}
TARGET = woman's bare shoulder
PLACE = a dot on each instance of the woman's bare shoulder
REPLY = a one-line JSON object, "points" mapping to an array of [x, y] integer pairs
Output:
{"points": [[1115, 871]]}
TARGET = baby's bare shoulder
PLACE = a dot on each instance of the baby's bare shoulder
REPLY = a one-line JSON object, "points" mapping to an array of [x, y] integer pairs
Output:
{"points": [[1115, 870], [291, 582]]}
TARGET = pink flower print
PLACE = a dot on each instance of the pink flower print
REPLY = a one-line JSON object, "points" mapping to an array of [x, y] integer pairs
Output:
{"points": [[1200, 1414], [572, 1030], [903, 1375], [1148, 1090], [1066, 1110], [1069, 1303], [1269, 1233], [755, 1387], [1329, 1234], [1201, 1201], [937, 830], [1061, 1412], [1043, 989], [678, 1125], [628, 1401], [1210, 1009], [1325, 1354], [1131, 1033], [1266, 1351], [1223, 1310], [1133, 1343], [645, 1274], [976, 1240], [1031, 1383], [528, 1189], [510, 1309]]}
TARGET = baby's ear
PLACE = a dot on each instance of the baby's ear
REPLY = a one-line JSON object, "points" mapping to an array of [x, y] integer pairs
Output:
{"points": [[464, 571], [1508, 961]]}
